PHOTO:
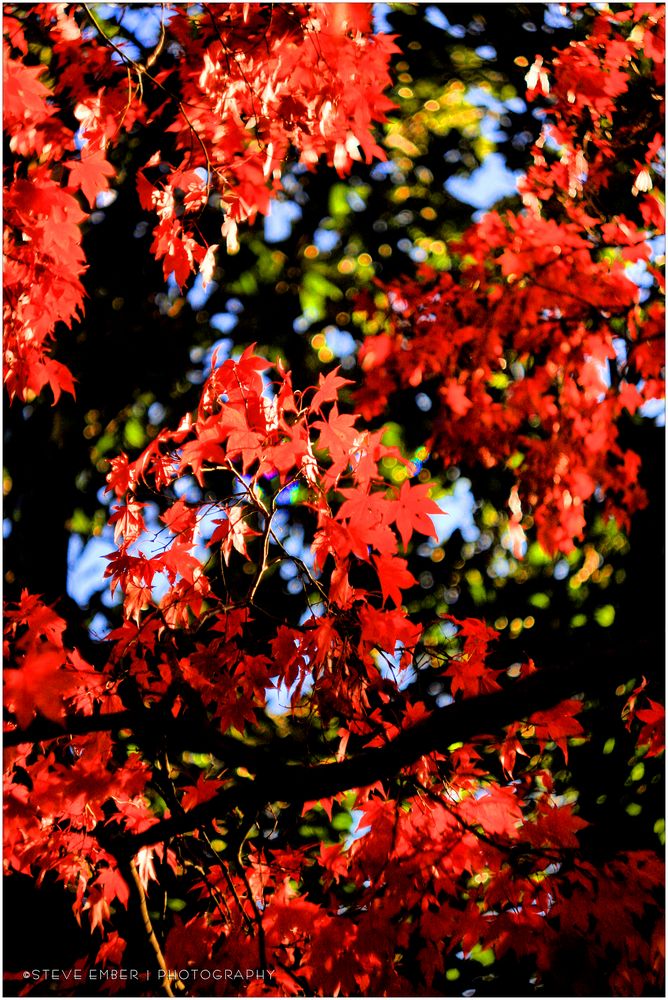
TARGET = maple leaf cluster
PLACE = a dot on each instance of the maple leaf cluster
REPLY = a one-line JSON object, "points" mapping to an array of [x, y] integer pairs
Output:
{"points": [[399, 812], [259, 440], [247, 85], [464, 853], [538, 345]]}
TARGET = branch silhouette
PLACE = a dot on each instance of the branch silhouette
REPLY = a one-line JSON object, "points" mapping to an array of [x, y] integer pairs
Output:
{"points": [[276, 781]]}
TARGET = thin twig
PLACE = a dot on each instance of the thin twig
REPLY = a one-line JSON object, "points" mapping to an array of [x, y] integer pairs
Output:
{"points": [[265, 558], [150, 933], [230, 884], [261, 943], [143, 71]]}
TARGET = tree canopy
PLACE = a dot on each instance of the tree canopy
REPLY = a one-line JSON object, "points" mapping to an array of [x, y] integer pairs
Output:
{"points": [[333, 499]]}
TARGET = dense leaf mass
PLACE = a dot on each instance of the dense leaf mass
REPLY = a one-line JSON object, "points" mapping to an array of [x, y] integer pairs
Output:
{"points": [[281, 763], [318, 76], [520, 341]]}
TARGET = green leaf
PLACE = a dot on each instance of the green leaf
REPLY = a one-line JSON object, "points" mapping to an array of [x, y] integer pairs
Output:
{"points": [[134, 434], [338, 200], [79, 522], [605, 615], [540, 600], [483, 955], [342, 821]]}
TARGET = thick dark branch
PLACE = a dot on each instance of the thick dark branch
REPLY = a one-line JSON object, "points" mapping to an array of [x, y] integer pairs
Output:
{"points": [[454, 723], [73, 725], [593, 673], [152, 727]]}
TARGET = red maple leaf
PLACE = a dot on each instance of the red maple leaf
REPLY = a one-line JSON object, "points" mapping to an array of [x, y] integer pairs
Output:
{"points": [[233, 531], [412, 509], [555, 825], [128, 521], [90, 174], [39, 685], [653, 733], [394, 577], [328, 388], [557, 724]]}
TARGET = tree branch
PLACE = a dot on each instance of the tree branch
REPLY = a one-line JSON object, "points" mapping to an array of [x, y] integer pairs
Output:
{"points": [[458, 722], [593, 673], [72, 725], [150, 933]]}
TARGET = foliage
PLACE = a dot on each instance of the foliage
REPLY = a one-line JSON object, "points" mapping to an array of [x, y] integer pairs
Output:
{"points": [[316, 98], [288, 756]]}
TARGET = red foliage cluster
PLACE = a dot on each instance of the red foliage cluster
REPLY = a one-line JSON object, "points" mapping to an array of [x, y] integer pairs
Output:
{"points": [[462, 855], [462, 842], [540, 342], [318, 75]]}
